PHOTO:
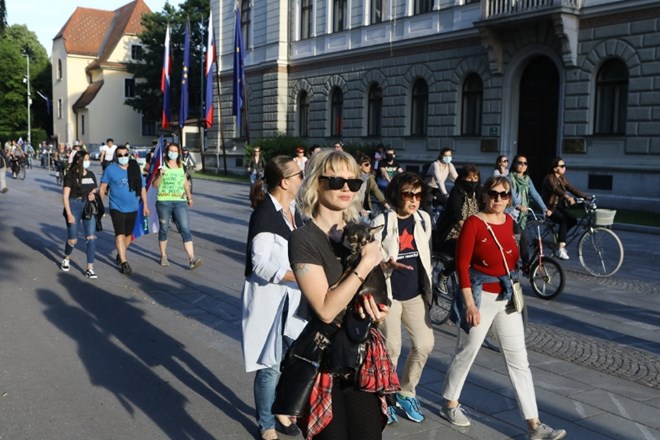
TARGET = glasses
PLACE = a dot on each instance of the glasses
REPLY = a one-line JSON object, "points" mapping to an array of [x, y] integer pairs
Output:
{"points": [[407, 196], [299, 173], [504, 160], [521, 163], [366, 164], [335, 183], [562, 165], [504, 195], [122, 155]]}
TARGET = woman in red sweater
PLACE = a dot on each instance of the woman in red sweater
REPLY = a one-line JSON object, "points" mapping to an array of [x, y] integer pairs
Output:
{"points": [[484, 301]]}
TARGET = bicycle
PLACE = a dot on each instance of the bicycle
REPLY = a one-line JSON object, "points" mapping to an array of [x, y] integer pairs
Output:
{"points": [[60, 172], [600, 250], [545, 274]]}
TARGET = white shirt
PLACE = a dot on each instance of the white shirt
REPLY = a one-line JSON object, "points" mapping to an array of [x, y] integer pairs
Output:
{"points": [[109, 152]]}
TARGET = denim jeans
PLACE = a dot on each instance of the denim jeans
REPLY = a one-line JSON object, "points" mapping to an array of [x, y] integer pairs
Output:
{"points": [[180, 211], [265, 382], [77, 207]]}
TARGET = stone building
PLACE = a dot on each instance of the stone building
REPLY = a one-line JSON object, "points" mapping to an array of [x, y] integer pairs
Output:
{"points": [[574, 78]]}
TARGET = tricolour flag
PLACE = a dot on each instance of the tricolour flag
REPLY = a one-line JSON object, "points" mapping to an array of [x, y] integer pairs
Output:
{"points": [[239, 72], [183, 109], [211, 59], [149, 225], [165, 81]]}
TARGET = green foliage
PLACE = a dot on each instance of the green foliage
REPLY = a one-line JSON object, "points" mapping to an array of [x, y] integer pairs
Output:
{"points": [[3, 16], [147, 71]]}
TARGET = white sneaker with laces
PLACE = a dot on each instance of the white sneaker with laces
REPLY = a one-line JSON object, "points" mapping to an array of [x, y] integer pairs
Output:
{"points": [[562, 254], [544, 432], [65, 265], [455, 416]]}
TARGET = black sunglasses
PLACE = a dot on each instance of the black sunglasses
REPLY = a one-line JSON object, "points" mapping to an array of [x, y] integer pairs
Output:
{"points": [[123, 155], [504, 195], [409, 195], [521, 163], [336, 183], [562, 165]]}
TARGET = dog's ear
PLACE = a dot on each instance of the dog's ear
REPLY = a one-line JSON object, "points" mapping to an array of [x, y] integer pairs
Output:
{"points": [[374, 230]]}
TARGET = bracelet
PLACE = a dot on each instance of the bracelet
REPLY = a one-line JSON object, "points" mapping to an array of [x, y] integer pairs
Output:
{"points": [[358, 276]]}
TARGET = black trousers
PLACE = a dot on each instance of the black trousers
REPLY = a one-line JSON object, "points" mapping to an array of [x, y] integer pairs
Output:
{"points": [[565, 220]]}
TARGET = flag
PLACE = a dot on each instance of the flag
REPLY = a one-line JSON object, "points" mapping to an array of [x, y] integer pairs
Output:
{"points": [[165, 80], [239, 72], [211, 59], [149, 225], [45, 98], [183, 110]]}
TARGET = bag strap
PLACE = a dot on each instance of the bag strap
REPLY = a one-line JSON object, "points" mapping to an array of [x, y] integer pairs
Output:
{"points": [[386, 215], [506, 266]]}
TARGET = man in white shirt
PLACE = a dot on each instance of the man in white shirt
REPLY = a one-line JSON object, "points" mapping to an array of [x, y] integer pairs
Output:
{"points": [[107, 153]]}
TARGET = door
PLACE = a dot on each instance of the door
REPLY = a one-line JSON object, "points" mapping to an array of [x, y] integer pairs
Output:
{"points": [[538, 116]]}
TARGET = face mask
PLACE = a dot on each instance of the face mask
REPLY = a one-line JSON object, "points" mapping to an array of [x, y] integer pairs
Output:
{"points": [[86, 164], [389, 156], [470, 185], [446, 159], [173, 155], [122, 160]]}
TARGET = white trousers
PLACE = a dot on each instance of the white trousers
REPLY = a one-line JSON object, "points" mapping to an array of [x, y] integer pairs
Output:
{"points": [[508, 326], [3, 177]]}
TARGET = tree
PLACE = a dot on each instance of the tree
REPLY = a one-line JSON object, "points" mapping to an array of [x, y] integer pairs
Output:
{"points": [[15, 43], [147, 70], [3, 16]]}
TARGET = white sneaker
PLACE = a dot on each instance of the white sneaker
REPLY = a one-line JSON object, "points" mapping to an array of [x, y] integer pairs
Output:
{"points": [[455, 416], [65, 265], [544, 432], [562, 254]]}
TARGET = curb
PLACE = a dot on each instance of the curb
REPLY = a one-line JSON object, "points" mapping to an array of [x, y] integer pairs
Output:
{"points": [[637, 228]]}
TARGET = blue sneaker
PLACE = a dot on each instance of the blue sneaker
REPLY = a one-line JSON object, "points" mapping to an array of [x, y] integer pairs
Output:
{"points": [[391, 415], [411, 407]]}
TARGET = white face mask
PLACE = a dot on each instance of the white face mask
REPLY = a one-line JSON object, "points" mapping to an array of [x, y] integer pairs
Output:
{"points": [[122, 160], [86, 164], [446, 159], [173, 155]]}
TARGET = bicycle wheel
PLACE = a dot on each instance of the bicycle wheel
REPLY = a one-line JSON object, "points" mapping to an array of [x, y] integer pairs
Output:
{"points": [[547, 278], [439, 312], [22, 172], [600, 252]]}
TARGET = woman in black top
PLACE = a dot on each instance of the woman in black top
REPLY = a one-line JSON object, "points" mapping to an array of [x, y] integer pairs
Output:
{"points": [[80, 186]]}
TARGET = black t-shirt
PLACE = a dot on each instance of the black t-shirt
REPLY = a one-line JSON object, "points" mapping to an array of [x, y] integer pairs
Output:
{"points": [[82, 189], [311, 245], [405, 283]]}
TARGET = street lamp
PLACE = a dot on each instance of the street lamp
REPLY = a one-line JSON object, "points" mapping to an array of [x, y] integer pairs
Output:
{"points": [[26, 80]]}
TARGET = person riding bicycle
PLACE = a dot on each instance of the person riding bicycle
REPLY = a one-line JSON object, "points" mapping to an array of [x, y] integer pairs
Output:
{"points": [[16, 155], [557, 193]]}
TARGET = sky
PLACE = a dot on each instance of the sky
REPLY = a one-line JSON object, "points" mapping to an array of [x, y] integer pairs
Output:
{"points": [[46, 17]]}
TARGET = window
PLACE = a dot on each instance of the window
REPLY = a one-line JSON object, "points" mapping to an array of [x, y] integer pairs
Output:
{"points": [[471, 106], [82, 124], [303, 115], [376, 13], [129, 87], [336, 106], [422, 6], [375, 110], [611, 98], [306, 11], [59, 108], [246, 12], [148, 127], [419, 107], [467, 2], [136, 52], [59, 69], [338, 15]]}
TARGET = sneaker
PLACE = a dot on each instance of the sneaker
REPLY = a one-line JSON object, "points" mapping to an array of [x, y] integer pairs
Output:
{"points": [[544, 432], [411, 407], [89, 273], [4, 190], [455, 416], [442, 286], [195, 263], [118, 260], [269, 434], [125, 268], [391, 415], [65, 265], [562, 254], [164, 261]]}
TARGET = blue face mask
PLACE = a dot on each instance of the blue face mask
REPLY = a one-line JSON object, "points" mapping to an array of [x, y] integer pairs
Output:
{"points": [[86, 164], [173, 155], [122, 160], [446, 159]]}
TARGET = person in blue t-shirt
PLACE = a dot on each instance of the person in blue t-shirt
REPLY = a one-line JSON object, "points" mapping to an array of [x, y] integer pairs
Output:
{"points": [[125, 183]]}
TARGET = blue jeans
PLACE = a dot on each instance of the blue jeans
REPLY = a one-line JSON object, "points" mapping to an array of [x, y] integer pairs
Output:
{"points": [[265, 382], [77, 207], [180, 211]]}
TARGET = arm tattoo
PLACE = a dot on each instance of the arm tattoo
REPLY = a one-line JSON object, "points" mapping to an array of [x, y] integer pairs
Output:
{"points": [[300, 268]]}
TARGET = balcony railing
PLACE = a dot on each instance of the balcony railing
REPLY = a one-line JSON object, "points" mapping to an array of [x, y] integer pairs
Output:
{"points": [[498, 8]]}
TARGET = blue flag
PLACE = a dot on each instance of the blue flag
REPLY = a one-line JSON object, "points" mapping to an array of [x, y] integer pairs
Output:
{"points": [[239, 73], [183, 111]]}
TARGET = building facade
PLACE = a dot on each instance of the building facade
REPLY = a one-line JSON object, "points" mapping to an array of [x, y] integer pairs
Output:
{"points": [[90, 78], [573, 78]]}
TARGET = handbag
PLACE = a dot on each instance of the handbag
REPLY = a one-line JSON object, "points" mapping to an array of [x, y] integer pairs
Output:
{"points": [[517, 299]]}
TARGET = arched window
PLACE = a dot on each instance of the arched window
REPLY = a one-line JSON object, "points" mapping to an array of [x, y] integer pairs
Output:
{"points": [[336, 108], [246, 15], [611, 98], [375, 110], [303, 114], [419, 108], [59, 69], [473, 93]]}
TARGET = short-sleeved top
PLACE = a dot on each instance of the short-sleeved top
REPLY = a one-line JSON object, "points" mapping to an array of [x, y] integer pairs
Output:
{"points": [[82, 189], [405, 283], [391, 169], [121, 197], [172, 185], [311, 245], [109, 152]]}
